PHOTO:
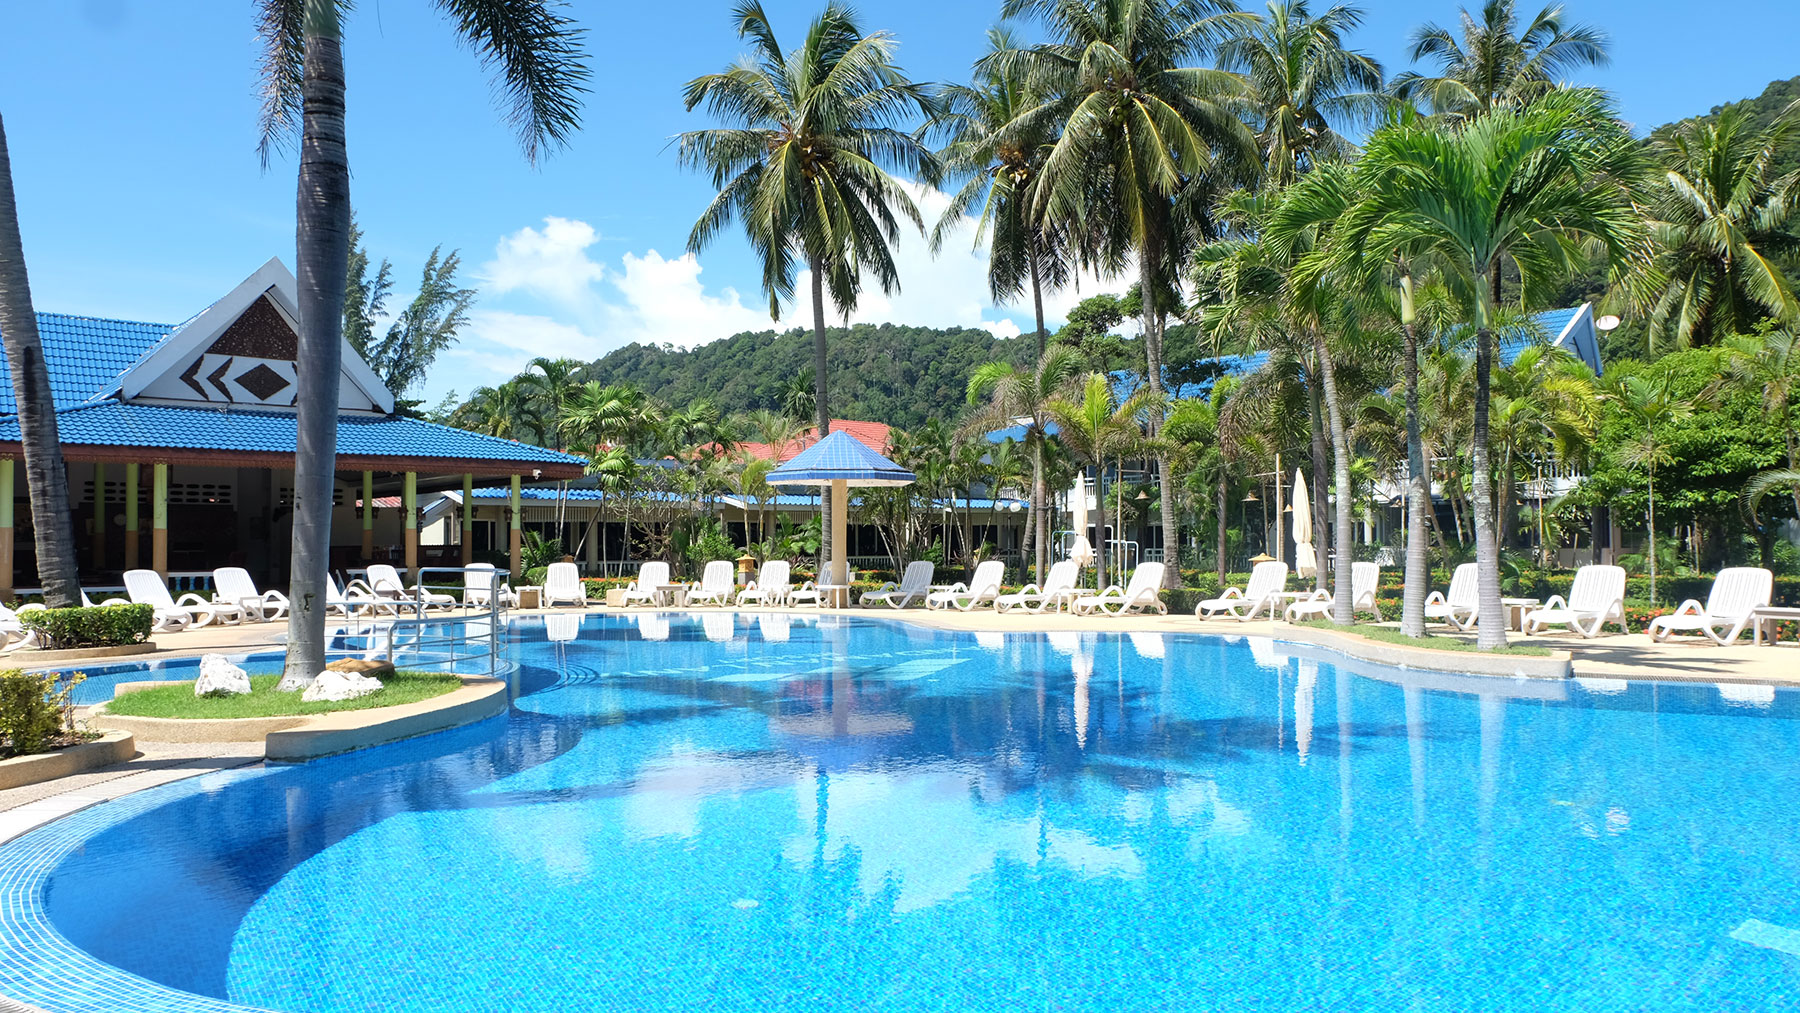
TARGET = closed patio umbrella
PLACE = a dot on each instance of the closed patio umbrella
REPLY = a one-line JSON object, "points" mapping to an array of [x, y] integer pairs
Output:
{"points": [[1306, 562], [1081, 551]]}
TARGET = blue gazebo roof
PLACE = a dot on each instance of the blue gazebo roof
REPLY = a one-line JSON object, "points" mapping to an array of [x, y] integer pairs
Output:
{"points": [[839, 457]]}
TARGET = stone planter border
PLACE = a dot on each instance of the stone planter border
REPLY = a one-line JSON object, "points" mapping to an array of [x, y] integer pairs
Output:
{"points": [[300, 737], [44, 659], [115, 746], [1555, 665]]}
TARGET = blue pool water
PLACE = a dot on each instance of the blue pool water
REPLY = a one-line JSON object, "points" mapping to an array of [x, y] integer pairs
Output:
{"points": [[764, 813]]}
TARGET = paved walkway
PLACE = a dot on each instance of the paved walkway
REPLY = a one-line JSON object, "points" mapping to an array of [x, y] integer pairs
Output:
{"points": [[27, 808]]}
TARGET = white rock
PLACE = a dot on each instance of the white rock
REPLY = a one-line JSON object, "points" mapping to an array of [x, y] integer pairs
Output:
{"points": [[339, 686], [219, 675]]}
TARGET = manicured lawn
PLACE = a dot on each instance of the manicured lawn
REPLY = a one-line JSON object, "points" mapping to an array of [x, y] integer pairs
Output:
{"points": [[1390, 635], [177, 699]]}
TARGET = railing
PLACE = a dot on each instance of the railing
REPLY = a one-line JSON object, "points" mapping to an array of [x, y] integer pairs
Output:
{"points": [[435, 640]]}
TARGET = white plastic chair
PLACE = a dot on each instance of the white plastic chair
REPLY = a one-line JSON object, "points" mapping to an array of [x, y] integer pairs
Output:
{"points": [[914, 584], [146, 587], [1364, 578], [1457, 608], [983, 587], [1262, 593], [385, 582], [715, 585], [15, 634], [478, 587], [1736, 592], [232, 586], [770, 586], [562, 583], [1596, 598], [1035, 598], [1141, 594]]}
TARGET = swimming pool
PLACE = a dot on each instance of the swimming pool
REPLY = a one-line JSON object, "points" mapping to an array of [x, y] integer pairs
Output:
{"points": [[780, 813]]}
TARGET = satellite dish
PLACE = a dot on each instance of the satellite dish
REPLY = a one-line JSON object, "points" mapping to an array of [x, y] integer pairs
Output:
{"points": [[1608, 322]]}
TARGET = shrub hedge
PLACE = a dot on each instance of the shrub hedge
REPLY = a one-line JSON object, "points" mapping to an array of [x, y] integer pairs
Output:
{"points": [[100, 626], [35, 716]]}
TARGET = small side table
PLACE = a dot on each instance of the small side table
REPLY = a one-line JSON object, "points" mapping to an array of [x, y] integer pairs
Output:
{"points": [[529, 597], [672, 595], [1516, 609], [833, 596], [615, 597], [1770, 618]]}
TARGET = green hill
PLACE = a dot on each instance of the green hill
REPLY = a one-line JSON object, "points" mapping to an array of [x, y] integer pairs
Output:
{"points": [[1762, 111], [885, 373]]}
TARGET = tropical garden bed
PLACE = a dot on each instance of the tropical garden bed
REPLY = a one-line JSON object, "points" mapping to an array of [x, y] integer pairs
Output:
{"points": [[177, 699]]}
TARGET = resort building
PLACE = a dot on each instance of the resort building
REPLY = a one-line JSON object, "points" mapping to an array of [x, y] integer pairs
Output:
{"points": [[179, 442]]}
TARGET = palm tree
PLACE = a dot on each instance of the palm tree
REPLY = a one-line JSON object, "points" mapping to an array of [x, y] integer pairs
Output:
{"points": [[1094, 427], [1013, 396], [803, 165], [1193, 426], [538, 57], [45, 481], [1001, 153], [1511, 187], [503, 410], [1770, 364], [1496, 64], [1720, 221], [1143, 135], [1302, 83], [614, 470], [554, 384], [1650, 401]]}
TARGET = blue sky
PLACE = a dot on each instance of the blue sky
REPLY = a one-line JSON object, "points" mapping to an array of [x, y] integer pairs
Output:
{"points": [[132, 128]]}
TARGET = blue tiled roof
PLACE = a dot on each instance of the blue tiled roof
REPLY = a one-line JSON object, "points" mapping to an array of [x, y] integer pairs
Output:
{"points": [[110, 423], [839, 457], [85, 355]]}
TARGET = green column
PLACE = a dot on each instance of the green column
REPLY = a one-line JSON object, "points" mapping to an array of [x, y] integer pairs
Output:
{"points": [[7, 493], [99, 515], [517, 559], [409, 502], [368, 515], [468, 519], [131, 516], [159, 519]]}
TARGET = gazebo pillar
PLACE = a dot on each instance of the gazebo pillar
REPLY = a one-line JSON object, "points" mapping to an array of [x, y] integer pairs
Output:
{"points": [[468, 519], [368, 515], [6, 527], [517, 560], [131, 516], [840, 509], [100, 515], [159, 519], [409, 501]]}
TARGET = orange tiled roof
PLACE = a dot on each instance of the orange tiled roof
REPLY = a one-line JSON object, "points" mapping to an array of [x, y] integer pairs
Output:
{"points": [[873, 435]]}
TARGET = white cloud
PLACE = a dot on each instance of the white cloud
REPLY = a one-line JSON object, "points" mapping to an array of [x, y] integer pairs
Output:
{"points": [[545, 293]]}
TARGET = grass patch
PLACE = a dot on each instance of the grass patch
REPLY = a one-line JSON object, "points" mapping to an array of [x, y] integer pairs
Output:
{"points": [[177, 699], [1390, 635]]}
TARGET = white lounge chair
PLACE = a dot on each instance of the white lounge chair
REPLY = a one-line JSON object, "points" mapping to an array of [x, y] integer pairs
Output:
{"points": [[1736, 592], [1262, 593], [914, 585], [982, 589], [1596, 598], [1364, 578], [714, 586], [1141, 594], [479, 589], [642, 589], [146, 587], [356, 599], [1459, 606], [771, 585], [385, 582], [562, 583], [14, 634], [806, 594], [232, 586], [1036, 598]]}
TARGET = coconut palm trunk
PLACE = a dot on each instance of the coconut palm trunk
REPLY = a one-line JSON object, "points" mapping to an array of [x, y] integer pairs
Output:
{"points": [[1321, 533], [822, 412], [1165, 473], [323, 250], [46, 483], [1219, 562], [1342, 599], [1418, 480], [1491, 616]]}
